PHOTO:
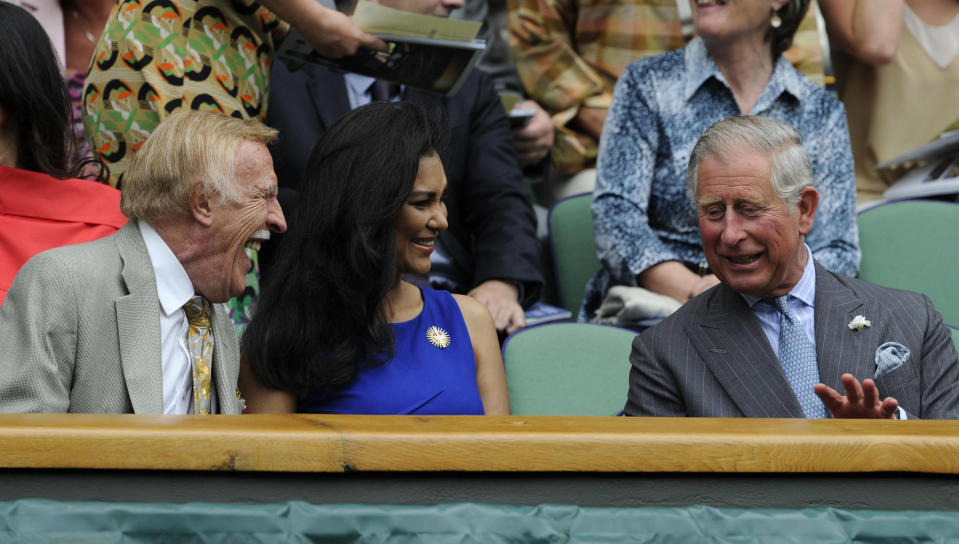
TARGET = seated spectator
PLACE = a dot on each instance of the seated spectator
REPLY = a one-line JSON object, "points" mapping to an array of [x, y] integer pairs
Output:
{"points": [[646, 228], [569, 54], [781, 333], [338, 329], [40, 208], [155, 58], [490, 250], [128, 323], [897, 73]]}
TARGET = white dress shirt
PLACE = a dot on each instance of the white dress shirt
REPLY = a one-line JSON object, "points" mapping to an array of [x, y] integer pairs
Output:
{"points": [[358, 90], [174, 289]]}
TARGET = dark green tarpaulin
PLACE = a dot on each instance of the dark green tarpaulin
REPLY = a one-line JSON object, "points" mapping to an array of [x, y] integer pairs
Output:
{"points": [[33, 520]]}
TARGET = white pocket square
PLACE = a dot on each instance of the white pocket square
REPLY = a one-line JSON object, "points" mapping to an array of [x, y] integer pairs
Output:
{"points": [[889, 357]]}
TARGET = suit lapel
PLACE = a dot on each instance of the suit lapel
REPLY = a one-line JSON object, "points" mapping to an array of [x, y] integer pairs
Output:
{"points": [[138, 324], [732, 344], [838, 348], [225, 360], [327, 90]]}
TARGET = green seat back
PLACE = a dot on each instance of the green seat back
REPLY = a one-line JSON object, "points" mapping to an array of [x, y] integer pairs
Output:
{"points": [[955, 337], [912, 245], [570, 369], [573, 249]]}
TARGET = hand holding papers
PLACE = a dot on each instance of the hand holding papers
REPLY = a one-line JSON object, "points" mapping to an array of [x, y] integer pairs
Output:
{"points": [[431, 53]]}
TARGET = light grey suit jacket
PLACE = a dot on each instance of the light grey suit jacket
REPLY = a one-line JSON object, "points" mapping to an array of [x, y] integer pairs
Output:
{"points": [[80, 332], [711, 358]]}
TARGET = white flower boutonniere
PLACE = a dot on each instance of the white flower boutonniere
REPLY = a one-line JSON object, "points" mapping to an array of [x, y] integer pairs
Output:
{"points": [[859, 322]]}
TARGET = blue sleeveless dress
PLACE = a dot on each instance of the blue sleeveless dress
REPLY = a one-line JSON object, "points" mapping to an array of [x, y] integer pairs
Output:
{"points": [[421, 378]]}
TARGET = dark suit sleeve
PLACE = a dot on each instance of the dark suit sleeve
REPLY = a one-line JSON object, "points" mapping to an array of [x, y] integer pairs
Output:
{"points": [[498, 214], [653, 390], [292, 111], [939, 374]]}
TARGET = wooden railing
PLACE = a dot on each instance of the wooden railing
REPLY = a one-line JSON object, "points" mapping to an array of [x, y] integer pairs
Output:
{"points": [[331, 444]]}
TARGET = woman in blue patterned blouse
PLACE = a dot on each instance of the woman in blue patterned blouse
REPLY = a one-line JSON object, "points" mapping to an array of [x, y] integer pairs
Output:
{"points": [[646, 227]]}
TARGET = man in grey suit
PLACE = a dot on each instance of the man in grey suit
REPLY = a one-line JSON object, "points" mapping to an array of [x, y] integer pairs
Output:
{"points": [[781, 335], [124, 324]]}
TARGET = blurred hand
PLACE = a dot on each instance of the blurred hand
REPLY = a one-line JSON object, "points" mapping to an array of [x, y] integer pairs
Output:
{"points": [[534, 140], [502, 301], [334, 35], [859, 401]]}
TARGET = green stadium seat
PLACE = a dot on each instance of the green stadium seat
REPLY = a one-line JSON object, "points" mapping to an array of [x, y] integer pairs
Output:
{"points": [[577, 369], [912, 245], [574, 251]]}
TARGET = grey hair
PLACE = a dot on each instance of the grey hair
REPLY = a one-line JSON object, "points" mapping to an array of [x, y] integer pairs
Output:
{"points": [[790, 169], [189, 150]]}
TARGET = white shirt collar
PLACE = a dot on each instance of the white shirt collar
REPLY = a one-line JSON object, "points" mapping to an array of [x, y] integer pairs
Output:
{"points": [[358, 83], [174, 287]]}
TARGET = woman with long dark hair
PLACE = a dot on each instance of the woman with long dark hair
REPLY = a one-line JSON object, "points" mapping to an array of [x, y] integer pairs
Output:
{"points": [[34, 100], [338, 329]]}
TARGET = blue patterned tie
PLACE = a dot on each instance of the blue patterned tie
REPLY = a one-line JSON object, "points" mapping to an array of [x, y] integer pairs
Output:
{"points": [[798, 357]]}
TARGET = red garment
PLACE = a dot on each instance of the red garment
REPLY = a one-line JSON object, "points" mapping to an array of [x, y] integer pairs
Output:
{"points": [[39, 212]]}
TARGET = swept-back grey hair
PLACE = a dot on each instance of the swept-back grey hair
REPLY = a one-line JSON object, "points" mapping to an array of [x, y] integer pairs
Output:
{"points": [[189, 150], [790, 169]]}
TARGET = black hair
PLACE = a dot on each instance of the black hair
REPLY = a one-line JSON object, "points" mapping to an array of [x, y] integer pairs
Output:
{"points": [[322, 315], [34, 95], [791, 14]]}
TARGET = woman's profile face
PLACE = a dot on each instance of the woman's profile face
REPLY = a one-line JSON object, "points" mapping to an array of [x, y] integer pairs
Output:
{"points": [[733, 19], [422, 218]]}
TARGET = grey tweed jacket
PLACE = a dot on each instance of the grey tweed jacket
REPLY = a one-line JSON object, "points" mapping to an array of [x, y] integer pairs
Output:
{"points": [[711, 358], [80, 332]]}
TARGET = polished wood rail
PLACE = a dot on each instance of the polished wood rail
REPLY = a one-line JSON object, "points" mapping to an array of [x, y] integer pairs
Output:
{"points": [[331, 443]]}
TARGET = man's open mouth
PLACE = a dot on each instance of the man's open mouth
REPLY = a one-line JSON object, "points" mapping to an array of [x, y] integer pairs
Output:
{"points": [[257, 240], [746, 259]]}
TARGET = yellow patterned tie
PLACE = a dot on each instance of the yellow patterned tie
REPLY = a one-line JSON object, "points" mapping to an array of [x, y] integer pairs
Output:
{"points": [[200, 344]]}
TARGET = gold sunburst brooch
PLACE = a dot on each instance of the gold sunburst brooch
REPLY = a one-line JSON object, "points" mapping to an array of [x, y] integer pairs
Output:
{"points": [[438, 337]]}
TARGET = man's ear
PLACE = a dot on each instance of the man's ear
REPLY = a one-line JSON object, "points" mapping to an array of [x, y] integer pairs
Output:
{"points": [[808, 202], [201, 207]]}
